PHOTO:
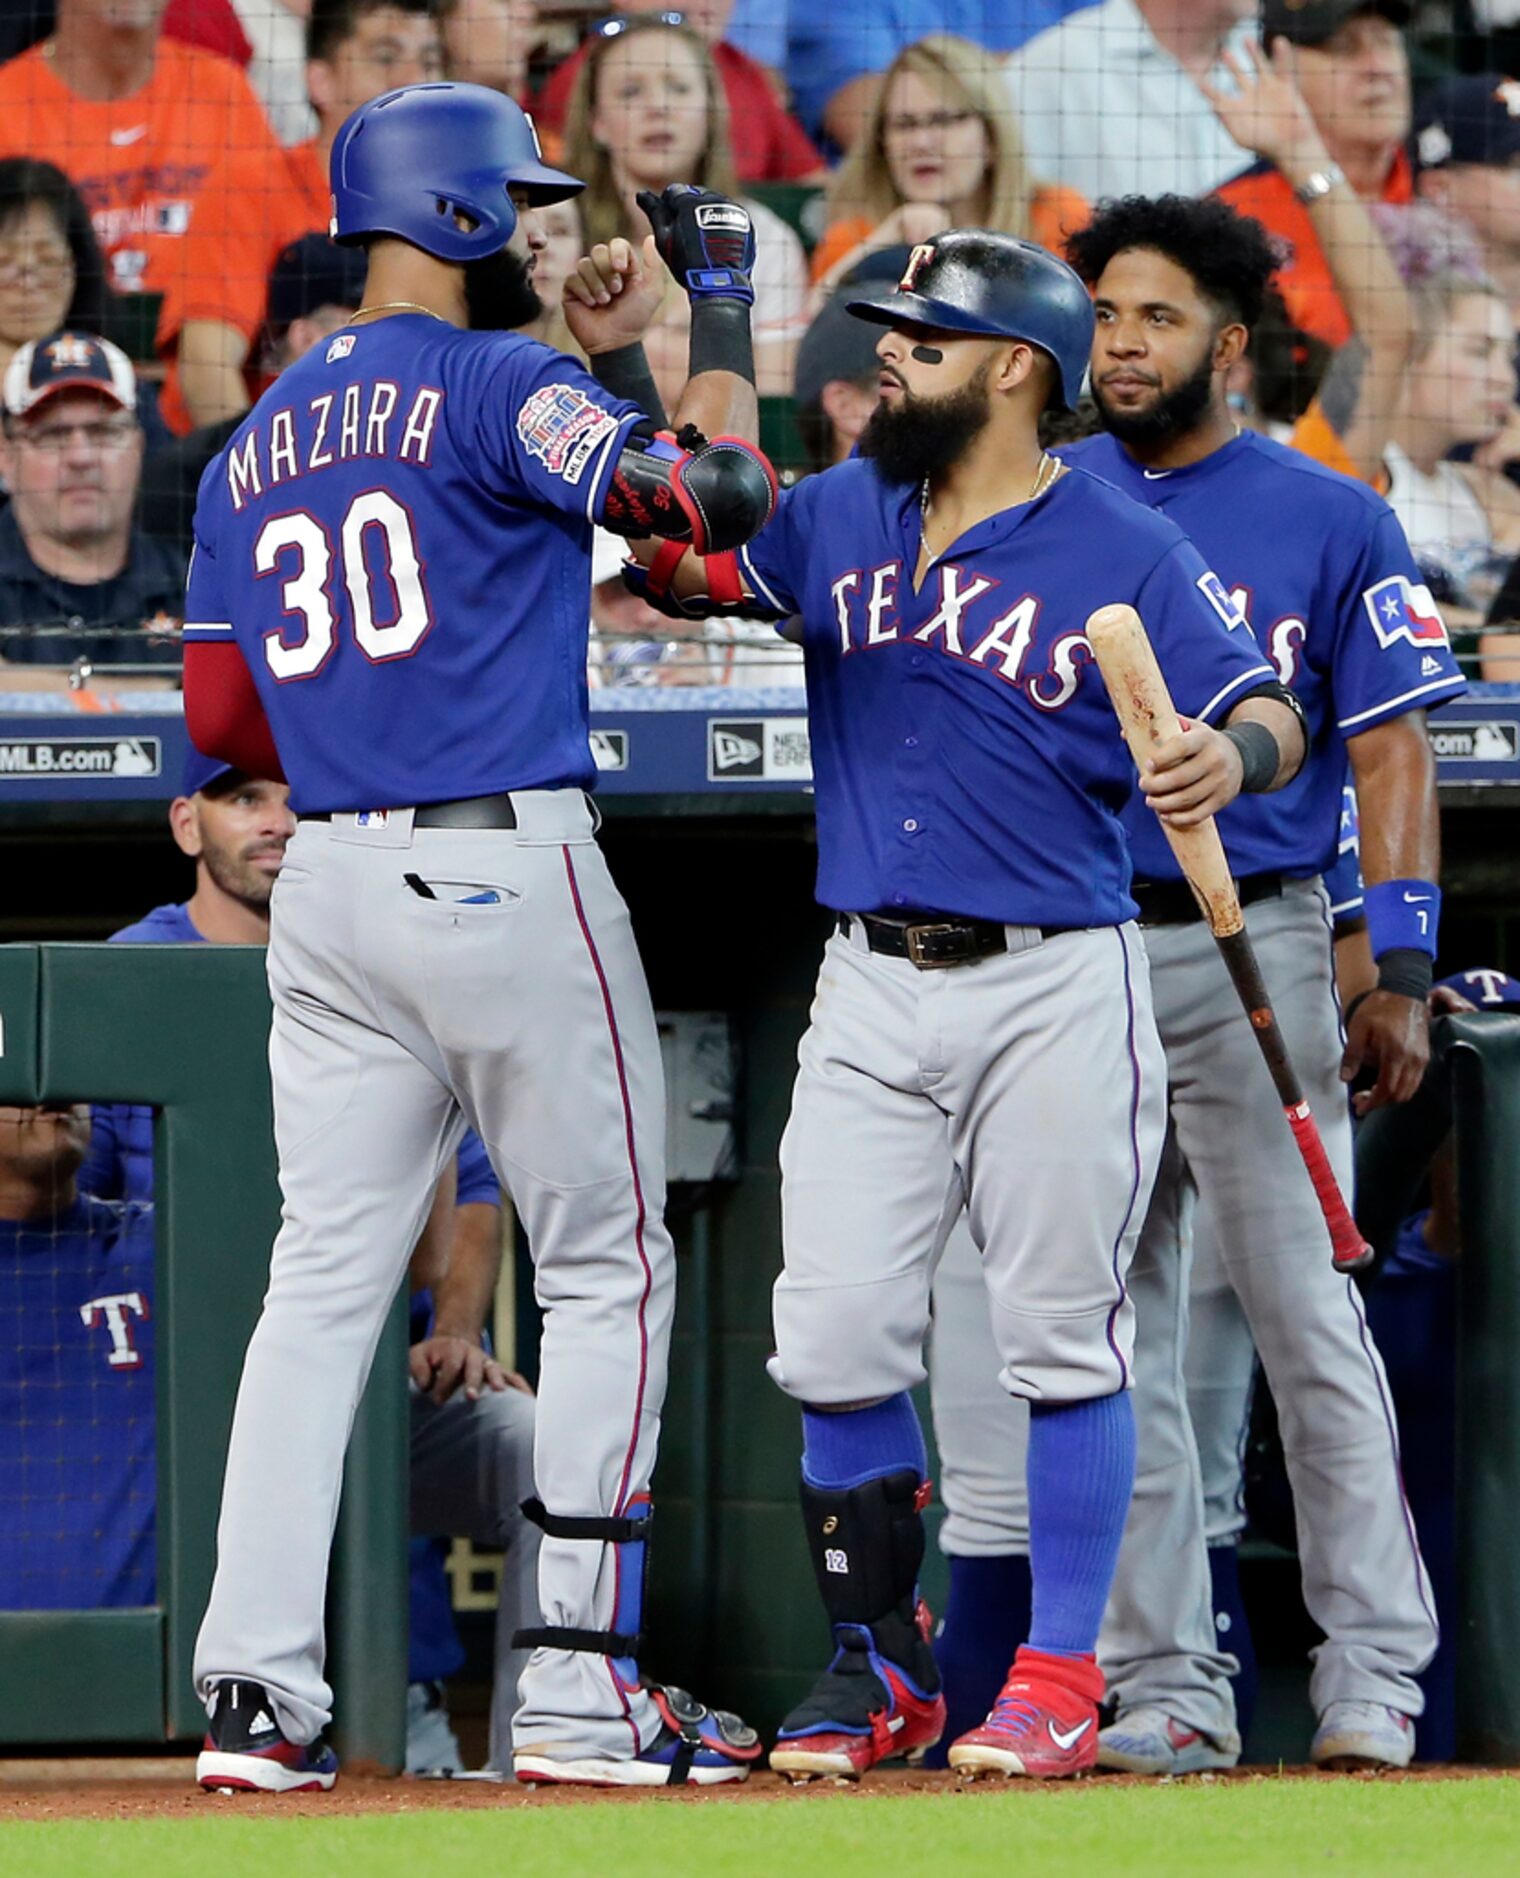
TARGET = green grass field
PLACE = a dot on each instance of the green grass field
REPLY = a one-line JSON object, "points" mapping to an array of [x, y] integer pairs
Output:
{"points": [[1228, 1830]]}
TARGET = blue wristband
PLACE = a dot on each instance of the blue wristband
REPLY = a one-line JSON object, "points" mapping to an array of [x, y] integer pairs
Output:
{"points": [[1403, 915]]}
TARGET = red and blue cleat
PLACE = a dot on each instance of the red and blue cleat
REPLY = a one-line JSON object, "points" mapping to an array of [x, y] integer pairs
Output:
{"points": [[246, 1751], [1044, 1725], [864, 1709]]}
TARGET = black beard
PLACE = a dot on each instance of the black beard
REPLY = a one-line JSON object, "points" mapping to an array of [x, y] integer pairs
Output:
{"points": [[924, 437], [1174, 413], [499, 294]]}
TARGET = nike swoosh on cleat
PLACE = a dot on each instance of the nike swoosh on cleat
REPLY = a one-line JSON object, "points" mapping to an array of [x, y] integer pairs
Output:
{"points": [[1072, 1735]]}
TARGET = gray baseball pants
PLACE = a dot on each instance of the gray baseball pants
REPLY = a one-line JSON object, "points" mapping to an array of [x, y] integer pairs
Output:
{"points": [[1364, 1581], [396, 1019]]}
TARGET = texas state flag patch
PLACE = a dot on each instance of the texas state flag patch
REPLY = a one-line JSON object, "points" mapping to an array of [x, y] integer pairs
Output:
{"points": [[1399, 608]]}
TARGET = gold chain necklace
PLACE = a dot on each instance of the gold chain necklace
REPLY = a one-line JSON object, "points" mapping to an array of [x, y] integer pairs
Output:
{"points": [[394, 306], [1045, 474]]}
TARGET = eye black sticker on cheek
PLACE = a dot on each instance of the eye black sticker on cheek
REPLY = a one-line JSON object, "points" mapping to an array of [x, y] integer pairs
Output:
{"points": [[928, 355]]}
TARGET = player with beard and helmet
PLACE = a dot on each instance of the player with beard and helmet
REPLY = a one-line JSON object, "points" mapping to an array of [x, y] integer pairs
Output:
{"points": [[1320, 566], [982, 1036], [388, 607]]}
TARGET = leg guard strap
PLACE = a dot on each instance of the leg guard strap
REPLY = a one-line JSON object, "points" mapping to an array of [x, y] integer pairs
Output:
{"points": [[563, 1637], [612, 1531], [629, 1536]]}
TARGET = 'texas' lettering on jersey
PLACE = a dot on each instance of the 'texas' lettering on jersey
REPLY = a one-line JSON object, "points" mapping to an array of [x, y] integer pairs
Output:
{"points": [[972, 622], [365, 420]]}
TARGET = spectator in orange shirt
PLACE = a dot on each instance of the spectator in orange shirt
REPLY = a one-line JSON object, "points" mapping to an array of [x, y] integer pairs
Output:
{"points": [[939, 149], [768, 144], [355, 50], [1353, 71], [137, 121]]}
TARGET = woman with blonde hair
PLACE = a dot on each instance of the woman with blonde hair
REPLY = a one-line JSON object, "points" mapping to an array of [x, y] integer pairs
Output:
{"points": [[648, 110], [939, 149]]}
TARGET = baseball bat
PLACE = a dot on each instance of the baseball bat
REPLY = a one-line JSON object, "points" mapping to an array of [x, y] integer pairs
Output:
{"points": [[1147, 717]]}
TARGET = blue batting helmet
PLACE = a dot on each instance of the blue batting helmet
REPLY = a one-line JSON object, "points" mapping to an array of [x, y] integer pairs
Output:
{"points": [[406, 161], [977, 281]]}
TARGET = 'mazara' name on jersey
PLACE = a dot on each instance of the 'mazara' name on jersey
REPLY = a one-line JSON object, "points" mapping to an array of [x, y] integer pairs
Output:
{"points": [[367, 418]]}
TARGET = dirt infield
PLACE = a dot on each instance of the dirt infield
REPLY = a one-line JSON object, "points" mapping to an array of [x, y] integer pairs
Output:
{"points": [[165, 1789]]}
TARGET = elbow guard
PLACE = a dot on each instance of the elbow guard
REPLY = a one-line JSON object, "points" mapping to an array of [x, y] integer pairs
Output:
{"points": [[711, 497]]}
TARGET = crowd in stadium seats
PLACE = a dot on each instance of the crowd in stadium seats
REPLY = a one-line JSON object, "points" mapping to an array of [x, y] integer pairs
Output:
{"points": [[166, 189]]}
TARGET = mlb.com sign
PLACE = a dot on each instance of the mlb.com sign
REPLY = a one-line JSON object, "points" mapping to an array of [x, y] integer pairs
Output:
{"points": [[25, 759]]}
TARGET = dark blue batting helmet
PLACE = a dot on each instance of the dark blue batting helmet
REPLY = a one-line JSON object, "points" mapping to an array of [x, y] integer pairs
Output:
{"points": [[404, 163], [977, 281]]}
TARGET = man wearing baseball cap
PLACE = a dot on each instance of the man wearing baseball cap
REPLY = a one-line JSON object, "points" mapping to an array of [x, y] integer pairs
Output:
{"points": [[1348, 60], [70, 557], [1467, 152], [837, 378]]}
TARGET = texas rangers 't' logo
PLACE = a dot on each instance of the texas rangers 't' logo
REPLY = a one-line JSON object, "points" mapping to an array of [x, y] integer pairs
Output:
{"points": [[918, 260], [1401, 609]]}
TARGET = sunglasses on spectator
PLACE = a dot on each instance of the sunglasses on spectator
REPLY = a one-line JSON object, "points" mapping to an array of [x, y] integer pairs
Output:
{"points": [[904, 123], [43, 264], [616, 23], [111, 433]]}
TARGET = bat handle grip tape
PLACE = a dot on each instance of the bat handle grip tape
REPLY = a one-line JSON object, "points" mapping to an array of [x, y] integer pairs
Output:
{"points": [[1349, 1251]]}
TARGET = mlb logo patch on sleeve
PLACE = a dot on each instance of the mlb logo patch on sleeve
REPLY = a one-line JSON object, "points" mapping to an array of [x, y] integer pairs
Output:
{"points": [[562, 427], [1401, 609]]}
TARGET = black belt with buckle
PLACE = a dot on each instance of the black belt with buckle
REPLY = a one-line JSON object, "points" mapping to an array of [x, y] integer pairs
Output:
{"points": [[1171, 902], [930, 943], [470, 812]]}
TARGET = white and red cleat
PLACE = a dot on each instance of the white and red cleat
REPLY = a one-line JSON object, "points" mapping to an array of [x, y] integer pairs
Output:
{"points": [[1044, 1725]]}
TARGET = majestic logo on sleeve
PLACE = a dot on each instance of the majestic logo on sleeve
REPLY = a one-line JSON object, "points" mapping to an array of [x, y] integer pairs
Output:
{"points": [[116, 1313], [1401, 609], [563, 428]]}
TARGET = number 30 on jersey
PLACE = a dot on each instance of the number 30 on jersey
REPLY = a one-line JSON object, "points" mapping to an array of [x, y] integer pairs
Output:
{"points": [[377, 547]]}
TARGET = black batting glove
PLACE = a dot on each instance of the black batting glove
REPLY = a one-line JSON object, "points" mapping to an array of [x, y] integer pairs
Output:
{"points": [[706, 240]]}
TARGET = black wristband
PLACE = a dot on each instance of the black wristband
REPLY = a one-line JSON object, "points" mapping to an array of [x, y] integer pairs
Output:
{"points": [[625, 373], [1407, 971], [1260, 756], [721, 340]]}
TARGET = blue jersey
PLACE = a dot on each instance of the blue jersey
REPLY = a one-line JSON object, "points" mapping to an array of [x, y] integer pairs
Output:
{"points": [[1320, 567], [119, 1165], [398, 539], [966, 757], [76, 1409], [1343, 877]]}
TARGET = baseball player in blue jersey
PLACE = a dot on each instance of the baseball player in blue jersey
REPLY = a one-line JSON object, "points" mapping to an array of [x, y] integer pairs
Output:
{"points": [[77, 1459], [389, 601], [1323, 571], [982, 1033]]}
